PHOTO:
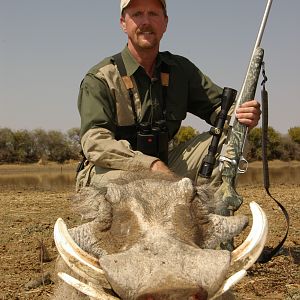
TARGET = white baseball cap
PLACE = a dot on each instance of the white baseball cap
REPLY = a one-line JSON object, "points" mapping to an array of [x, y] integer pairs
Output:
{"points": [[125, 3]]}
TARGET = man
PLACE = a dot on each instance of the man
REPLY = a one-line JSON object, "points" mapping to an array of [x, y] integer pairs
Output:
{"points": [[145, 85]]}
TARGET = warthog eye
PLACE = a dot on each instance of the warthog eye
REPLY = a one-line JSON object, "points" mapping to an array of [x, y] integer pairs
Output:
{"points": [[185, 226], [125, 229]]}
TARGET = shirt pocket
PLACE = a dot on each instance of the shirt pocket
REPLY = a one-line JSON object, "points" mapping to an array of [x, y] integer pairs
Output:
{"points": [[177, 101]]}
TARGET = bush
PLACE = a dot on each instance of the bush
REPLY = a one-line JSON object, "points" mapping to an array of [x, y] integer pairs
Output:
{"points": [[278, 146], [294, 134], [289, 149], [184, 134], [7, 142], [24, 147]]}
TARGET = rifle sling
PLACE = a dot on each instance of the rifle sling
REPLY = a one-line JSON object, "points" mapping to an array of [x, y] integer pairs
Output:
{"points": [[268, 253]]}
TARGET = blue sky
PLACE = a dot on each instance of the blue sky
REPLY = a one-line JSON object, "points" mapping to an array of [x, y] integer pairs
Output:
{"points": [[47, 46]]}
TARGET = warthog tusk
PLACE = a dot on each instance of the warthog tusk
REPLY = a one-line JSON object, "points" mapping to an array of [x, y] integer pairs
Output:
{"points": [[231, 281], [78, 260], [249, 251], [95, 293]]}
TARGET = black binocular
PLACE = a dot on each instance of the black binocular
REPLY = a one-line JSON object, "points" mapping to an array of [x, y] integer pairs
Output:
{"points": [[153, 139]]}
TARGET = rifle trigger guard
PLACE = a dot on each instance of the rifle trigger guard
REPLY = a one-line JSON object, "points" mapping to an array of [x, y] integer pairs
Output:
{"points": [[245, 163], [222, 159]]}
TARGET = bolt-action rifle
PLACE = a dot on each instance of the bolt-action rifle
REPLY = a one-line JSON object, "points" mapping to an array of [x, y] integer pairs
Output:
{"points": [[232, 161]]}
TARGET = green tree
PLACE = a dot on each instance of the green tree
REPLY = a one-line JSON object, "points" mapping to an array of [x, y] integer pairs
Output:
{"points": [[41, 142], [274, 142], [25, 150], [7, 149], [294, 133], [289, 150], [73, 136], [255, 144], [58, 148]]}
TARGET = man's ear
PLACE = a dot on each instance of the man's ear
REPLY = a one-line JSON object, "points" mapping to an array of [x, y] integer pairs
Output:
{"points": [[166, 23], [123, 24]]}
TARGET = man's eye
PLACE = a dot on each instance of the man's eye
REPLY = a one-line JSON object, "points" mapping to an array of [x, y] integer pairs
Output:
{"points": [[137, 14], [153, 14]]}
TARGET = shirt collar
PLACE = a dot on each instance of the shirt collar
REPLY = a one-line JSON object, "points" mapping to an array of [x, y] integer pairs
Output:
{"points": [[132, 65]]}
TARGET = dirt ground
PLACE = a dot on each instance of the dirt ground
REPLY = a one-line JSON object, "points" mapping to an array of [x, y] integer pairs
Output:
{"points": [[28, 213]]}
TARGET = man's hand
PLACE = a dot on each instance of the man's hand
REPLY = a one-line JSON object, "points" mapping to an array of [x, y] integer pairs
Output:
{"points": [[249, 113], [159, 166]]}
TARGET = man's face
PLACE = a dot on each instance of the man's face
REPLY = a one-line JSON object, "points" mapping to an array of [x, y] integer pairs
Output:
{"points": [[145, 22]]}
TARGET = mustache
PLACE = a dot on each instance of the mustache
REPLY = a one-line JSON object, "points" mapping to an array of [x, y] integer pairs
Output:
{"points": [[145, 29]]}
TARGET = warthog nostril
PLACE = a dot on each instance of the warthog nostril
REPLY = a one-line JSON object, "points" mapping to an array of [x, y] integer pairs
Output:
{"points": [[198, 296], [194, 297], [176, 294]]}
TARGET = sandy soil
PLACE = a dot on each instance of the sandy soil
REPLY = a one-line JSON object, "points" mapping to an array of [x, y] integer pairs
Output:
{"points": [[28, 213]]}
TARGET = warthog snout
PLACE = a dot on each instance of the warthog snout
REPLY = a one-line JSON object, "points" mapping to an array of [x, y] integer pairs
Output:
{"points": [[161, 265]]}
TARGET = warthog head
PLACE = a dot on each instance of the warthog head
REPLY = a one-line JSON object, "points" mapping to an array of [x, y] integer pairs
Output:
{"points": [[154, 238]]}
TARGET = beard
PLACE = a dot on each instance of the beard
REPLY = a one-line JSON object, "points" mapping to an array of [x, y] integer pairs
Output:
{"points": [[146, 37], [146, 44]]}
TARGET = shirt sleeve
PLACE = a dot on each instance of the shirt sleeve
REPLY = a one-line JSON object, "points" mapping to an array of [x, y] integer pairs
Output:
{"points": [[97, 111], [100, 148], [95, 105]]}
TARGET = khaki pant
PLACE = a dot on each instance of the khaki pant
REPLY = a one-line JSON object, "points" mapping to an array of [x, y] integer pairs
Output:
{"points": [[184, 160]]}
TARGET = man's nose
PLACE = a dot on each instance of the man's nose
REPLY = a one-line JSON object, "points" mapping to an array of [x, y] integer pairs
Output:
{"points": [[145, 19]]}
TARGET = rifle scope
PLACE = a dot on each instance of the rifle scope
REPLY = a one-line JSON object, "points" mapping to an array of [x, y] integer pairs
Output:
{"points": [[208, 163]]}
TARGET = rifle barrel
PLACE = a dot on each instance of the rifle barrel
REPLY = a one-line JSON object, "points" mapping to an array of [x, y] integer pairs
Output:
{"points": [[263, 25], [257, 44]]}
